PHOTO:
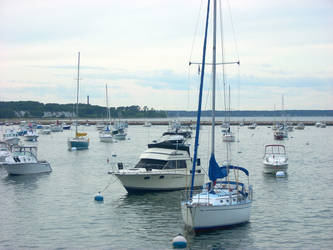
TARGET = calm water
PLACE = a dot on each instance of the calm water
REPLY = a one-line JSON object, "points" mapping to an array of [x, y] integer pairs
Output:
{"points": [[57, 210]]}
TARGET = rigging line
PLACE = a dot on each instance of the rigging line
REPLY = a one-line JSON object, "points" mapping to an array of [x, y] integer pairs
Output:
{"points": [[188, 86], [191, 52], [233, 30], [223, 62], [196, 29]]}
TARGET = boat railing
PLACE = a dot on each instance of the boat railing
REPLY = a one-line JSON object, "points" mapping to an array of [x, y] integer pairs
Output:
{"points": [[201, 197]]}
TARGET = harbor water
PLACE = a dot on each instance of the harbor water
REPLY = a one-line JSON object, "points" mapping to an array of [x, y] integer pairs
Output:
{"points": [[58, 211]]}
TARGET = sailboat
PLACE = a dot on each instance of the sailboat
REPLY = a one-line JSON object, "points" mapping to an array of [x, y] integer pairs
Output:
{"points": [[80, 140], [106, 135], [227, 135], [220, 203]]}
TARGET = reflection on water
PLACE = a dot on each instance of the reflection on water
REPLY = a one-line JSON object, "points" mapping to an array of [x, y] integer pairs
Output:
{"points": [[57, 210]]}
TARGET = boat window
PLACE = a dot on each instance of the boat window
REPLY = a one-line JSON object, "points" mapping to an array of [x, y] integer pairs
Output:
{"points": [[175, 164], [149, 164]]}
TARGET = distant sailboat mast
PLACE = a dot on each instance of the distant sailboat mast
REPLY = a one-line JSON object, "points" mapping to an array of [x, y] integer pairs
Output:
{"points": [[107, 105], [213, 82], [77, 94]]}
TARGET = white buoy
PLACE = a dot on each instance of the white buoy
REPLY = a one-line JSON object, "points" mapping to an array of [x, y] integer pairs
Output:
{"points": [[280, 174], [179, 241]]}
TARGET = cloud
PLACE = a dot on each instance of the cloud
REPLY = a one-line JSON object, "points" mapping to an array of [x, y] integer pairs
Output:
{"points": [[142, 49]]}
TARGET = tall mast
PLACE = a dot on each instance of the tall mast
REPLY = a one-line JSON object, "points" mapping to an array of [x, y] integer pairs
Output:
{"points": [[197, 130], [229, 109], [107, 103], [77, 93], [214, 79]]}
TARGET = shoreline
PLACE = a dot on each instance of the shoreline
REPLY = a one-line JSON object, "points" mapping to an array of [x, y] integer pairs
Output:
{"points": [[154, 122]]}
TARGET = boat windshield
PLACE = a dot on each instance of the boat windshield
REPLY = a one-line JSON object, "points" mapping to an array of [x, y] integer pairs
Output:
{"points": [[150, 164], [275, 149], [21, 153]]}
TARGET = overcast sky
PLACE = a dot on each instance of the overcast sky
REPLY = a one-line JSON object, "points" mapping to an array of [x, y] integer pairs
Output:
{"points": [[141, 49]]}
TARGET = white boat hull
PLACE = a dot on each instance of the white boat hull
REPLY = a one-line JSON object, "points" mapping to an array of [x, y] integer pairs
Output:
{"points": [[270, 168], [12, 141], [106, 138], [27, 168], [141, 182], [30, 137], [203, 217], [119, 136], [228, 138]]}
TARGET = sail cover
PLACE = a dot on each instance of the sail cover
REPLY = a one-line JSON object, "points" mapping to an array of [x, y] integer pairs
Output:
{"points": [[215, 171]]}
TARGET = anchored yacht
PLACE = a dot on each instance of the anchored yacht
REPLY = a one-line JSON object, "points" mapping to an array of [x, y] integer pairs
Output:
{"points": [[164, 166]]}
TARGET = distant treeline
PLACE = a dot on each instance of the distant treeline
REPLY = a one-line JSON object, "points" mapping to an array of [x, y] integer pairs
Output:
{"points": [[30, 109], [254, 113]]}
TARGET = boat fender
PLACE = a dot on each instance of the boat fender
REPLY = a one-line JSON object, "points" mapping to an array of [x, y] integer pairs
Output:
{"points": [[179, 241], [280, 174]]}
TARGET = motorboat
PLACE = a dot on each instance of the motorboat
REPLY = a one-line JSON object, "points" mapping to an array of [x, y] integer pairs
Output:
{"points": [[11, 137], [323, 124], [275, 159], [46, 129], [253, 125], [66, 126], [146, 124], [279, 134], [300, 126], [227, 198], [106, 136], [23, 160], [289, 127], [318, 124], [56, 128], [31, 135], [176, 128], [164, 166], [119, 134], [119, 131], [4, 151]]}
